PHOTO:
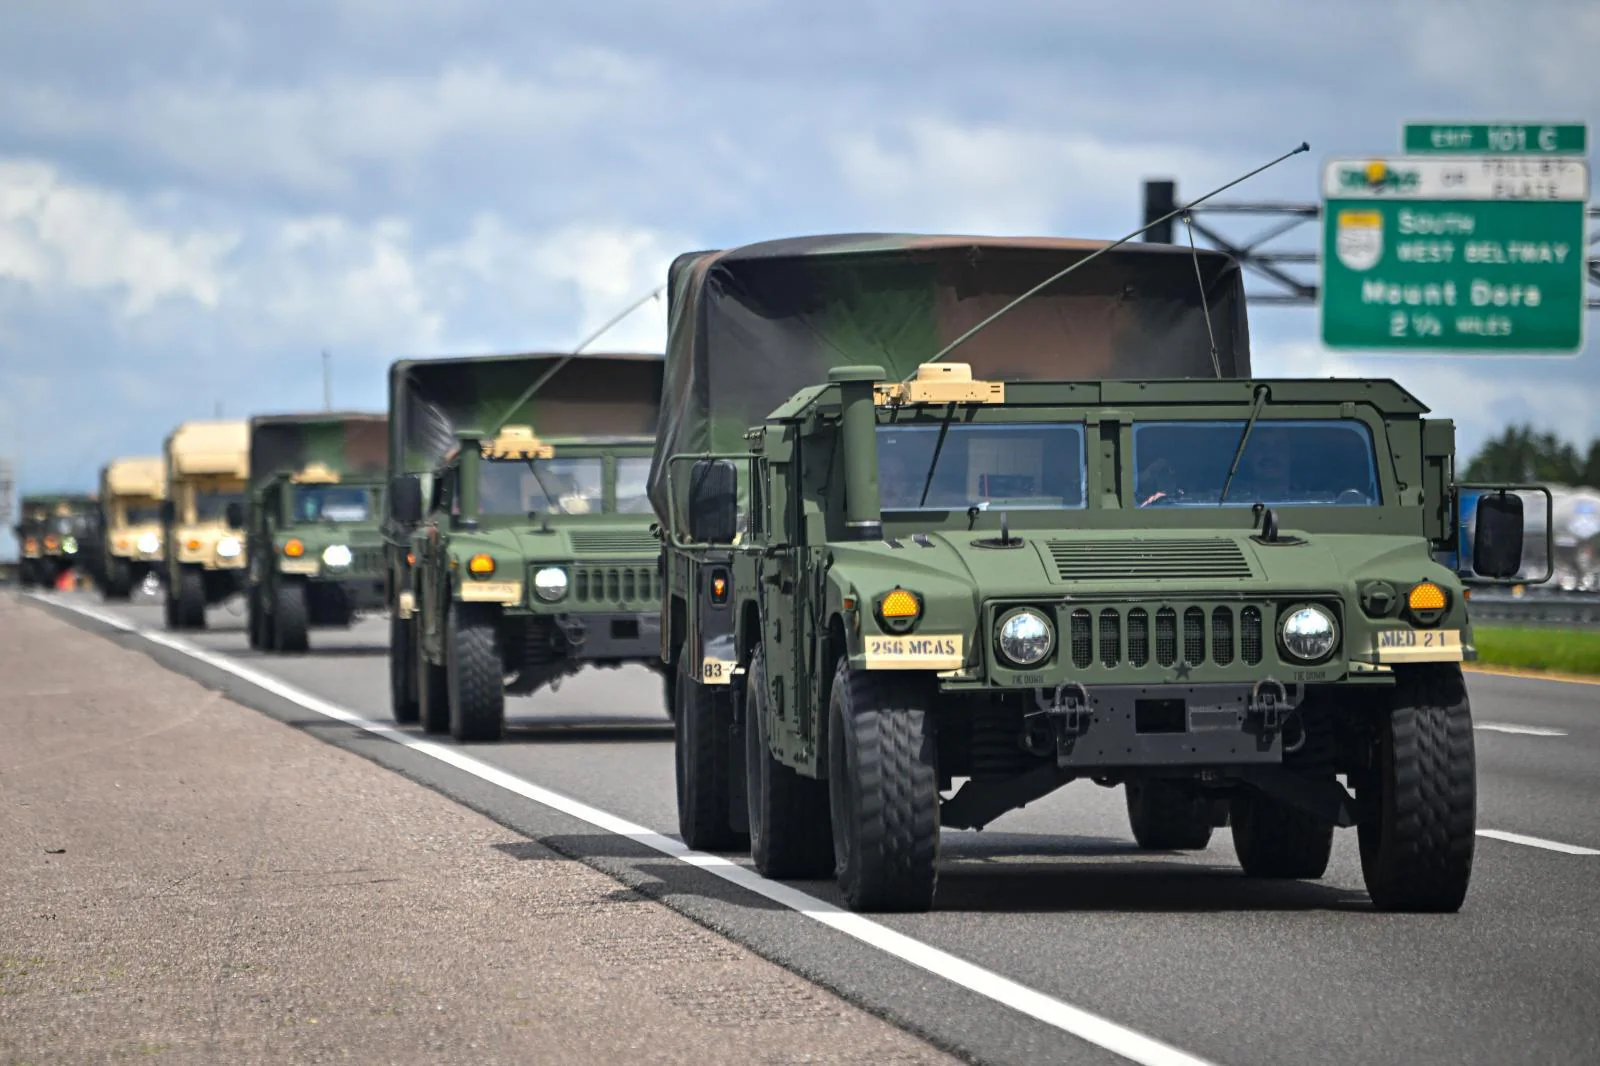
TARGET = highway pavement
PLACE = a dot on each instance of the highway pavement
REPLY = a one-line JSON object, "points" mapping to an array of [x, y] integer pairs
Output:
{"points": [[1053, 938]]}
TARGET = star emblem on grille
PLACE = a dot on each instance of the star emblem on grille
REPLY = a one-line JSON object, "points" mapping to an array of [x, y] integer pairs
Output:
{"points": [[1182, 671]]}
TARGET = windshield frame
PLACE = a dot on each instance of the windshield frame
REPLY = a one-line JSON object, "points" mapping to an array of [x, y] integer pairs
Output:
{"points": [[933, 427]]}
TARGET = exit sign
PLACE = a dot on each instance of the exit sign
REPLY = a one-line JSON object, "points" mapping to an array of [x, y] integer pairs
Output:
{"points": [[1498, 138]]}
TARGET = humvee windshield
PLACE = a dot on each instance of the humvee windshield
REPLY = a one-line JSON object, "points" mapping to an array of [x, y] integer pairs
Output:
{"points": [[322, 503], [556, 486], [211, 506], [141, 514], [1285, 463], [1025, 465], [633, 485]]}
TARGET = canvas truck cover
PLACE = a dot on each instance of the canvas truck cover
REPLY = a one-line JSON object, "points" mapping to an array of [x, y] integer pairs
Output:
{"points": [[593, 396], [348, 443], [219, 448], [749, 327], [134, 476]]}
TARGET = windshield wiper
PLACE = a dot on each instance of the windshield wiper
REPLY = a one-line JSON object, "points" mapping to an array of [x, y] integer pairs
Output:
{"points": [[550, 497], [1244, 438], [938, 446]]}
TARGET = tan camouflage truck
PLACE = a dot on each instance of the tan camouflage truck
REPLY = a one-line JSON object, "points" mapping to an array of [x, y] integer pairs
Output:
{"points": [[51, 536], [131, 491], [207, 467]]}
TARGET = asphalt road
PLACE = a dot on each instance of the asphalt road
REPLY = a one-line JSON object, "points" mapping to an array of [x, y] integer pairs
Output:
{"points": [[1178, 948]]}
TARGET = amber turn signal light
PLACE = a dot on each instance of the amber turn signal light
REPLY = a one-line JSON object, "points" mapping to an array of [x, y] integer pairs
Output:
{"points": [[900, 604], [294, 548], [1426, 597], [481, 564]]}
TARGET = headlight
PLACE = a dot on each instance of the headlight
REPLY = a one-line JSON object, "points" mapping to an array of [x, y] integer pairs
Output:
{"points": [[149, 544], [1026, 637], [336, 555], [70, 545], [228, 547], [1309, 634], [550, 584]]}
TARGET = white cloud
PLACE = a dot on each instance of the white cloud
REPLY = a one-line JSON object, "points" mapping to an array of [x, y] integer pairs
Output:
{"points": [[1003, 179], [56, 233]]}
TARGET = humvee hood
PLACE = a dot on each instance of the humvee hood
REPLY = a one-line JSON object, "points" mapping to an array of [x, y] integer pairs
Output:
{"points": [[1046, 563], [561, 544]]}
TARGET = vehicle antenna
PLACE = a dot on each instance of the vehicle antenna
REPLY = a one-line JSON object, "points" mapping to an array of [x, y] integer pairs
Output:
{"points": [[1205, 306], [527, 393], [1304, 146]]}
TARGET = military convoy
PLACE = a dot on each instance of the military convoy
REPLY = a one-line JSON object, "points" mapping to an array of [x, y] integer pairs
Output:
{"points": [[55, 533], [520, 534], [311, 524], [1087, 545], [129, 556], [207, 465]]}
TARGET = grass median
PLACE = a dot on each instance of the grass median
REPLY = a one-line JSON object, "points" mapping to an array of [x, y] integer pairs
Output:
{"points": [[1563, 651]]}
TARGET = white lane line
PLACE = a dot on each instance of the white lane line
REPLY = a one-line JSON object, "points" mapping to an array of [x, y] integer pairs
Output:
{"points": [[1076, 1021], [1536, 842], [1524, 730]]}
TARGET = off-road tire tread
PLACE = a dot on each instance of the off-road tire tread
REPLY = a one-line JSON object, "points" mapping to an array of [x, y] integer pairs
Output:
{"points": [[796, 841], [403, 703], [433, 690], [1163, 819], [701, 750], [475, 674], [290, 618], [1274, 839], [894, 865], [191, 598], [1423, 863]]}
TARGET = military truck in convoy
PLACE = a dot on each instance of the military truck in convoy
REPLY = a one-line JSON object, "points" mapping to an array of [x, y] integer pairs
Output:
{"points": [[905, 593], [207, 464], [311, 524], [520, 534], [129, 556], [54, 531]]}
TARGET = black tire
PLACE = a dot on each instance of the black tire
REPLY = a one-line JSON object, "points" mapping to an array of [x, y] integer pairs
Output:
{"points": [[1419, 808], [883, 790], [1164, 818], [289, 619], [118, 584], [702, 742], [25, 575], [1274, 839], [791, 829], [475, 673], [252, 616], [169, 607], [669, 693], [402, 673], [191, 605]]}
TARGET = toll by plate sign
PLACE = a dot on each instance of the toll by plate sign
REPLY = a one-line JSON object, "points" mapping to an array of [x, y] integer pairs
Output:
{"points": [[1465, 254]]}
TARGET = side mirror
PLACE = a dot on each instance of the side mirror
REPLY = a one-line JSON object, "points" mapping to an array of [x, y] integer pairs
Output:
{"points": [[1497, 539], [405, 499], [234, 513], [714, 501], [169, 512]]}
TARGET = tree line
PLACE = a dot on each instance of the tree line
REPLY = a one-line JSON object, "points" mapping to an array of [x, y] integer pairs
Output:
{"points": [[1521, 455]]}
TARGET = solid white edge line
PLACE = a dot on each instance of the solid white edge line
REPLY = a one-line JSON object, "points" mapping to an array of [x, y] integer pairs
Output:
{"points": [[1536, 842], [1061, 1015], [1522, 730]]}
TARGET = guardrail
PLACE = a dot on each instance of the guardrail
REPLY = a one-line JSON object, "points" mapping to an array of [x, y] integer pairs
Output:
{"points": [[1579, 610]]}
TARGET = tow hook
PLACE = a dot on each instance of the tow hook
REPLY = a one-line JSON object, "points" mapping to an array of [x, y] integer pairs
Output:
{"points": [[573, 630], [1268, 698], [1068, 710]]}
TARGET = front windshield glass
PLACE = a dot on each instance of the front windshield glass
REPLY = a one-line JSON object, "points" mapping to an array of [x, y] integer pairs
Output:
{"points": [[211, 506], [1285, 463], [332, 503], [528, 486], [1020, 466], [633, 479], [140, 514]]}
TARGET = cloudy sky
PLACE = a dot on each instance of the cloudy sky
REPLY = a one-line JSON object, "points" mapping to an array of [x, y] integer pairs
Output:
{"points": [[197, 199]]}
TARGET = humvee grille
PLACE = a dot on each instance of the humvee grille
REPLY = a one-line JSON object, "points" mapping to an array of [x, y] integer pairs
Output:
{"points": [[613, 540], [614, 584], [1111, 638], [1084, 560], [366, 560]]}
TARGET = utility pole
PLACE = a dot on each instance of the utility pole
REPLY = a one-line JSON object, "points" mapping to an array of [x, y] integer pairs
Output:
{"points": [[327, 383]]}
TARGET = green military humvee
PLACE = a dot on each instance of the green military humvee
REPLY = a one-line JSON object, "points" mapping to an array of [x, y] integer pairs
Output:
{"points": [[520, 534], [315, 504], [54, 534], [1086, 546]]}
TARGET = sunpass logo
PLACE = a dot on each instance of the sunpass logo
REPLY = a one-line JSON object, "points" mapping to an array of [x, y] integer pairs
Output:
{"points": [[1379, 177]]}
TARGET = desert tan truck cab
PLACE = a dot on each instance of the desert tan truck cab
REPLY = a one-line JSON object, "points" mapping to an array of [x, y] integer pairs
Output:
{"points": [[131, 491], [207, 467]]}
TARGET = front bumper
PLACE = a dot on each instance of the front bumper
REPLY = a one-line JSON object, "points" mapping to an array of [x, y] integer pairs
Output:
{"points": [[611, 634], [1165, 725], [361, 592]]}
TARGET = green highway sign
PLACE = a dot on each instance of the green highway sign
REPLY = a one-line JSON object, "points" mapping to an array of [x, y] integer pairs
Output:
{"points": [[1498, 138], [1483, 255]]}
